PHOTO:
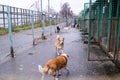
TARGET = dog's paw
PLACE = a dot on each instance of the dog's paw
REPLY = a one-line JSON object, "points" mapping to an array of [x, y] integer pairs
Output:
{"points": [[56, 78]]}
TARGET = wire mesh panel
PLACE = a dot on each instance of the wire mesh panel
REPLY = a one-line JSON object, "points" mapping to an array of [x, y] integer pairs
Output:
{"points": [[86, 22], [117, 48], [117, 37], [81, 21], [102, 29], [118, 52]]}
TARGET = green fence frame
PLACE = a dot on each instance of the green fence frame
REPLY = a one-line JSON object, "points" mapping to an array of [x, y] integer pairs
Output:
{"points": [[10, 32], [117, 36], [97, 8], [85, 26], [32, 22]]}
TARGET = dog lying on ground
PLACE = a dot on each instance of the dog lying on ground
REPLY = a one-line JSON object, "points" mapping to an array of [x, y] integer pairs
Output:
{"points": [[54, 65], [59, 44]]}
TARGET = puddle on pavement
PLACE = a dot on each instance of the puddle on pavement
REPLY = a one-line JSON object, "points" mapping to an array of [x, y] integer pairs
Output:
{"points": [[30, 53]]}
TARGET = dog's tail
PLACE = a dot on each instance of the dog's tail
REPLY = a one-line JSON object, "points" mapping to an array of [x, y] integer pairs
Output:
{"points": [[43, 70], [40, 69], [58, 36]]}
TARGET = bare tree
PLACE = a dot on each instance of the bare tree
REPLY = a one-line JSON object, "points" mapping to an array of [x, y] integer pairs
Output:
{"points": [[52, 11], [66, 10], [37, 6]]}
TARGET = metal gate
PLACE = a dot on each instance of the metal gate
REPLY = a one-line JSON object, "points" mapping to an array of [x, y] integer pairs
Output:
{"points": [[86, 22], [103, 23], [117, 37]]}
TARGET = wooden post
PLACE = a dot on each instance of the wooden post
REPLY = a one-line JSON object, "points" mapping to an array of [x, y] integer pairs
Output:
{"points": [[21, 17], [29, 16], [11, 16], [14, 25], [3, 16], [17, 15], [24, 16]]}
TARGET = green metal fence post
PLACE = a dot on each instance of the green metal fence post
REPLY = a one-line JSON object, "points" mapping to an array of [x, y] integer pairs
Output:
{"points": [[43, 26], [32, 21], [50, 25], [10, 32], [85, 14], [89, 34], [100, 23], [117, 33], [98, 19], [55, 23], [109, 24], [84, 18]]}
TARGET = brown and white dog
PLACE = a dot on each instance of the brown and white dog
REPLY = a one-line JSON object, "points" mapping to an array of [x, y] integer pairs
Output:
{"points": [[59, 44], [54, 65]]}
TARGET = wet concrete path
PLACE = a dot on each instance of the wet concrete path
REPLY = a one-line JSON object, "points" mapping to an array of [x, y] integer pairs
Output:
{"points": [[25, 65]]}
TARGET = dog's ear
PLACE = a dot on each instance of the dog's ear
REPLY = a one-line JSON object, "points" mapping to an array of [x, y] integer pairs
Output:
{"points": [[58, 38], [64, 54], [67, 55]]}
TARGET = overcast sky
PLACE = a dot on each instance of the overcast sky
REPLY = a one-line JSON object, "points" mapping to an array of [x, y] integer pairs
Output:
{"points": [[76, 5]]}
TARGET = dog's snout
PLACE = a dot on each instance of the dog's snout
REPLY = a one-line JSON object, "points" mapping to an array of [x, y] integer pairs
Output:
{"points": [[61, 42]]}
